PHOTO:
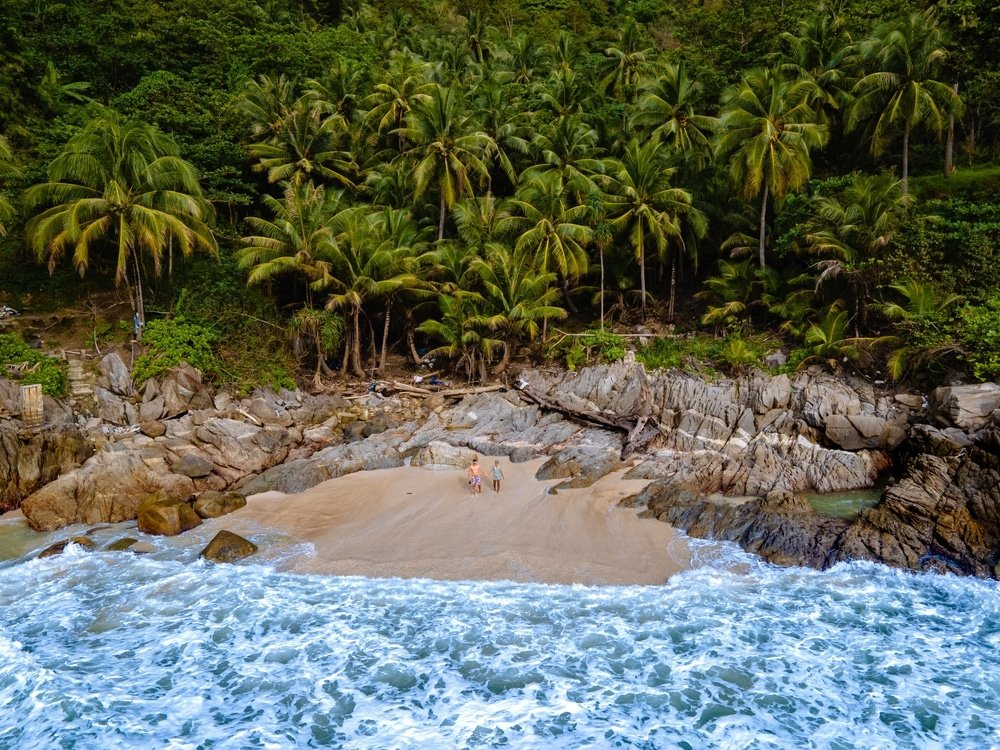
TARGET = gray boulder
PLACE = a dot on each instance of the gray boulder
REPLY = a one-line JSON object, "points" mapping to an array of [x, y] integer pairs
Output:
{"points": [[115, 374], [967, 407]]}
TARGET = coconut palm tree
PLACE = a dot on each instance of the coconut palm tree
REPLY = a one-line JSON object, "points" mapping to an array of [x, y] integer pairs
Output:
{"points": [[767, 129], [7, 171], [266, 102], [366, 266], [667, 109], [549, 223], [623, 64], [643, 204], [448, 149], [119, 185], [308, 145], [298, 240], [900, 90], [569, 147], [851, 231], [464, 329], [516, 296], [406, 83]]}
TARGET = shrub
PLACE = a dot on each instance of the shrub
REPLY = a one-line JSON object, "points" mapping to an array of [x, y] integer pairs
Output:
{"points": [[171, 341], [29, 366], [980, 337], [591, 345]]}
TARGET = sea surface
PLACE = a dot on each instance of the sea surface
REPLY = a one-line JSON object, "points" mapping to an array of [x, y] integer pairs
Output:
{"points": [[113, 650]]}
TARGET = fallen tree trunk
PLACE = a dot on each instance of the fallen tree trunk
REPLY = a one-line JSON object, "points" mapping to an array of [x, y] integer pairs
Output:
{"points": [[639, 428]]}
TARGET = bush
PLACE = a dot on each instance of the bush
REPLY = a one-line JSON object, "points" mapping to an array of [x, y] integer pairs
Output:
{"points": [[980, 336], [28, 366], [704, 354], [169, 342], [593, 345]]}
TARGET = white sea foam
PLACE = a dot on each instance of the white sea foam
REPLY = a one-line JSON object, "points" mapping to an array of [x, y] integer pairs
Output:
{"points": [[102, 650]]}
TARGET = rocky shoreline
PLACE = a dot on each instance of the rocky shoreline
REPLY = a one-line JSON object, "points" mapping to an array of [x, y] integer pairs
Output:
{"points": [[726, 459]]}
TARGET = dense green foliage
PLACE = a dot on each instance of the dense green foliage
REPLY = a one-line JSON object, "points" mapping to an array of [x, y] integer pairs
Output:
{"points": [[452, 178], [29, 366]]}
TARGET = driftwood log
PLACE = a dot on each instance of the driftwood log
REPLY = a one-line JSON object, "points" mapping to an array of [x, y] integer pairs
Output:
{"points": [[640, 427]]}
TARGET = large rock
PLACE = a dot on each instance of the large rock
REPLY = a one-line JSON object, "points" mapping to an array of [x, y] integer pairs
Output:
{"points": [[862, 431], [115, 375], [439, 453], [212, 504], [192, 465], [182, 389], [30, 459], [228, 547], [967, 407], [167, 516]]}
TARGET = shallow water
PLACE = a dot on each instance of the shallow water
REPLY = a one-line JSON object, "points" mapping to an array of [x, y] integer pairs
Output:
{"points": [[112, 650], [847, 504]]}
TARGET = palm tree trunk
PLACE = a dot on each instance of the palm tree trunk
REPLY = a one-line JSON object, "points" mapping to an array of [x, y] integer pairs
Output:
{"points": [[441, 218], [319, 363], [356, 367], [763, 219], [602, 288], [906, 158], [140, 302], [410, 342], [385, 334], [642, 278], [673, 287], [501, 366], [949, 146], [565, 289]]}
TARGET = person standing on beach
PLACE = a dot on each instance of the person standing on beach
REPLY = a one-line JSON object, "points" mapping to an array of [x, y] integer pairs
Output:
{"points": [[497, 476], [475, 477]]}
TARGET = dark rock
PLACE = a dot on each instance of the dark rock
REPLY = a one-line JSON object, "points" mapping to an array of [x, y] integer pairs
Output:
{"points": [[166, 516], [59, 547], [120, 545], [212, 504], [580, 465], [192, 465], [228, 547]]}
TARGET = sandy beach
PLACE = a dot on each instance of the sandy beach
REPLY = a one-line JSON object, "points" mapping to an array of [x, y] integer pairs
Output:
{"points": [[424, 523]]}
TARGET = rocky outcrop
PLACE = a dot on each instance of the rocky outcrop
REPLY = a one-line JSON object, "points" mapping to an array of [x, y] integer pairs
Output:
{"points": [[943, 514], [212, 504], [967, 407]]}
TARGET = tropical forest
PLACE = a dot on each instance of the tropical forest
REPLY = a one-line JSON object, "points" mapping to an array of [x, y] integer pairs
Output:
{"points": [[281, 192]]}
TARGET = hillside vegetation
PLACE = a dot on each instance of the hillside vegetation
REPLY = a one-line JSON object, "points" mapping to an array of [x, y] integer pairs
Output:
{"points": [[319, 189]]}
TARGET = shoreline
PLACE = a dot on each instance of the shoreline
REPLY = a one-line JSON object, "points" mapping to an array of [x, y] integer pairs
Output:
{"points": [[412, 522]]}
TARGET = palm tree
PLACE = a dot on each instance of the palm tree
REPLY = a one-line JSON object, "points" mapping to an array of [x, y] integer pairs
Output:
{"points": [[565, 93], [851, 231], [923, 325], [480, 220], [266, 102], [307, 146], [570, 148], [623, 64], [551, 226], [390, 101], [504, 123], [7, 170], [516, 296], [768, 128], [121, 184], [366, 266], [822, 51], [900, 90], [340, 90], [298, 240], [447, 149], [643, 203], [464, 329], [667, 110]]}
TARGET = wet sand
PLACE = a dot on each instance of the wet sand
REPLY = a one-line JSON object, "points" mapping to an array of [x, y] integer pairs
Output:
{"points": [[424, 523]]}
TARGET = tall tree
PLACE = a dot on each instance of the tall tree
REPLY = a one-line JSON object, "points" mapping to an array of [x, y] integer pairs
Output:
{"points": [[448, 149], [643, 204], [851, 231], [667, 109], [516, 296], [298, 240], [623, 63], [900, 91], [124, 185], [768, 128], [549, 223], [7, 170]]}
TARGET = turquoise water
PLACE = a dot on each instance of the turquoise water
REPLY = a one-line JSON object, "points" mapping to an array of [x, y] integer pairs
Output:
{"points": [[847, 504], [110, 650]]}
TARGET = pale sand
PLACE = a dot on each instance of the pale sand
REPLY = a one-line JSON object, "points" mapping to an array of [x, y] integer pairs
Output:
{"points": [[422, 523]]}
